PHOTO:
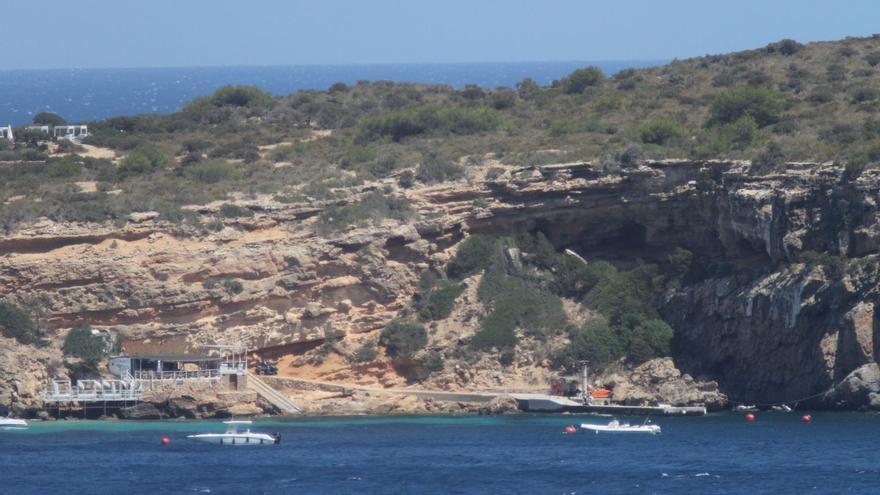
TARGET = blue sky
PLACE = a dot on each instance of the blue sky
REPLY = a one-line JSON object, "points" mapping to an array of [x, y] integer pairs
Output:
{"points": [[162, 33]]}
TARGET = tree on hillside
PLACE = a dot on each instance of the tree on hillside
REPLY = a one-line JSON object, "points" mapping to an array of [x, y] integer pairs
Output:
{"points": [[48, 118], [581, 79]]}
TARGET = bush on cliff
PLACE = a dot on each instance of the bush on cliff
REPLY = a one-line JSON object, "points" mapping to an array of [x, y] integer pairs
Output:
{"points": [[474, 254], [763, 104], [370, 208], [596, 341], [439, 301], [84, 343], [403, 338], [366, 353], [581, 79], [17, 323], [413, 121], [660, 132], [145, 158]]}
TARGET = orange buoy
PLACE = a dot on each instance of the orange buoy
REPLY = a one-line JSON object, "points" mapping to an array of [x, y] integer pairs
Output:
{"points": [[569, 430], [166, 441], [750, 417], [806, 418]]}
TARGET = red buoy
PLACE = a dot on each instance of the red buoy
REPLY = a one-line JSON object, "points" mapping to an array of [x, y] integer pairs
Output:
{"points": [[750, 417], [166, 441], [569, 430], [806, 418]]}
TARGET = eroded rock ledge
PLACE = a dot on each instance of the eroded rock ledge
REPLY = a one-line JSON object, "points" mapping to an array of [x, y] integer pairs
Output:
{"points": [[761, 323]]}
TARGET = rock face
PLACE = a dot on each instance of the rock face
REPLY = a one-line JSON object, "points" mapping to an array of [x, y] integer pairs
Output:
{"points": [[659, 380], [754, 318]]}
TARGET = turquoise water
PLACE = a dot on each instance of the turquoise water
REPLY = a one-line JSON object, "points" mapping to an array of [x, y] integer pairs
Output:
{"points": [[835, 453]]}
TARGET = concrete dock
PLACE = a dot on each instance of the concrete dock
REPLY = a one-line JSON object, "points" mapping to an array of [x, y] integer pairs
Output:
{"points": [[552, 403]]}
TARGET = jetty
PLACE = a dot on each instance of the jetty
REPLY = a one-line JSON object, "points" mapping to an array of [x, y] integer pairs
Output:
{"points": [[545, 403]]}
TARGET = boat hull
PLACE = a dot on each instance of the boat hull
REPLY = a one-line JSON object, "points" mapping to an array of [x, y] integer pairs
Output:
{"points": [[649, 429], [12, 424], [235, 439]]}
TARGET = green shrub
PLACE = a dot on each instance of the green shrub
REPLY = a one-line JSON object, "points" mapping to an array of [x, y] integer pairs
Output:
{"points": [[212, 171], [431, 362], [433, 169], [660, 132], [230, 210], [18, 324], [233, 286], [650, 339], [440, 301], [835, 265], [474, 254], [498, 331], [366, 353], [143, 159], [372, 207], [414, 121], [764, 105], [64, 168], [873, 58], [81, 342], [403, 338], [770, 159], [242, 96], [48, 118], [581, 79], [596, 342]]}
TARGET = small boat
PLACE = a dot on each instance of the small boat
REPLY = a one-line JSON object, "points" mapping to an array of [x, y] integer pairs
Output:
{"points": [[13, 424], [234, 437], [615, 426], [782, 408], [745, 408]]}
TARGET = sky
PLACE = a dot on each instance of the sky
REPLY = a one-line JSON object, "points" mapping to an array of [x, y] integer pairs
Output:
{"points": [[184, 33]]}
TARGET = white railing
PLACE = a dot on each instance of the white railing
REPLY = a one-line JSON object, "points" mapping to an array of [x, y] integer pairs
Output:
{"points": [[92, 391], [175, 375]]}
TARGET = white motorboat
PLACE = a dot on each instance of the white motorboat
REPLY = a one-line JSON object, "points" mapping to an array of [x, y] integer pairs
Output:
{"points": [[615, 426], [782, 408], [745, 408], [235, 437], [13, 424]]}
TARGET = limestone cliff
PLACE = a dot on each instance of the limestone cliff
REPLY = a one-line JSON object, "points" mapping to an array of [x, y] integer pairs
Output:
{"points": [[763, 324]]}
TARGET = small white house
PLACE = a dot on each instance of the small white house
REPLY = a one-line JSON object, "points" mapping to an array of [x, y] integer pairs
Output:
{"points": [[6, 133], [71, 132]]}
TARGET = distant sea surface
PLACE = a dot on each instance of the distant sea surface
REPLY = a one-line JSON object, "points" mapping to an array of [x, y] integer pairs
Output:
{"points": [[92, 94], [717, 454]]}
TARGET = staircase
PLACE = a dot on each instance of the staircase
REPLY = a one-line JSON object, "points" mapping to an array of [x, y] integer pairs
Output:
{"points": [[272, 396]]}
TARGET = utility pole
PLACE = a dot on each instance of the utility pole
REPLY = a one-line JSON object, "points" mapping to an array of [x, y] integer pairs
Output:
{"points": [[585, 374]]}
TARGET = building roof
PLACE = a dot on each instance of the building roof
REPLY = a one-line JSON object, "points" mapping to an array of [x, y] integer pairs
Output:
{"points": [[179, 358]]}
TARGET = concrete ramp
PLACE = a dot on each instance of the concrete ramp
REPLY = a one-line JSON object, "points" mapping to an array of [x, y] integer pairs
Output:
{"points": [[272, 396]]}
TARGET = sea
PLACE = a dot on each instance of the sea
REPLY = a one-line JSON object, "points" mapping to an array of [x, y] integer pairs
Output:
{"points": [[716, 454], [90, 94]]}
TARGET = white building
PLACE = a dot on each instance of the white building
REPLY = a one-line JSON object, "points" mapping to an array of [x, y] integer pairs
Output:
{"points": [[71, 132], [6, 133]]}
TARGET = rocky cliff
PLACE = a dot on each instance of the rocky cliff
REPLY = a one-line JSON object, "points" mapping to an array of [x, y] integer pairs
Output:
{"points": [[756, 317]]}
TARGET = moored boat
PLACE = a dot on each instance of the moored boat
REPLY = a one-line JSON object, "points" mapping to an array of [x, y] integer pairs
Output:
{"points": [[615, 426], [13, 424], [234, 437]]}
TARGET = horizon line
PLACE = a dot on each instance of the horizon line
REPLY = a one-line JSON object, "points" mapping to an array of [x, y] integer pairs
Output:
{"points": [[359, 64]]}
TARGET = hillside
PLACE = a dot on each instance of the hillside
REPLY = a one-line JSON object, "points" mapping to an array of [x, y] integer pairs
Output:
{"points": [[720, 210]]}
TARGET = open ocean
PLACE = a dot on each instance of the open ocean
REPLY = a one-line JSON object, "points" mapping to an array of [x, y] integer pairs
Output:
{"points": [[91, 94], [720, 453]]}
